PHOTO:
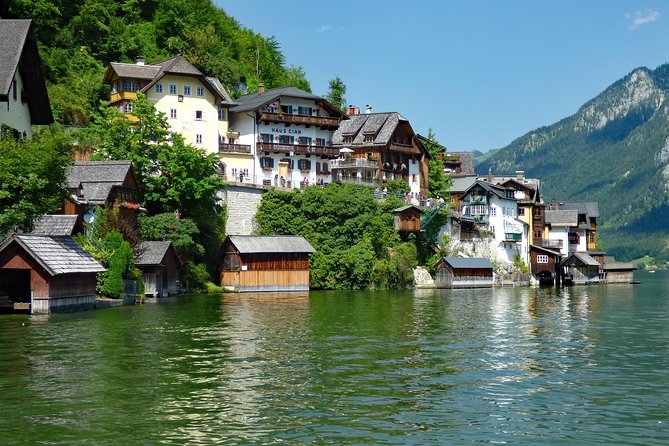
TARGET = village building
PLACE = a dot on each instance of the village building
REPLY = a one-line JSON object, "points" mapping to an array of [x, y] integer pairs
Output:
{"points": [[494, 209], [46, 274], [458, 272], [583, 236], [101, 183], [24, 101], [617, 272], [579, 268], [407, 218], [160, 266], [545, 264], [378, 147], [54, 225], [195, 105], [265, 263], [283, 138]]}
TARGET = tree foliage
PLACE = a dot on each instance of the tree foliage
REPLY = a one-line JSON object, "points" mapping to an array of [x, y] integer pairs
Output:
{"points": [[336, 94], [32, 177], [79, 38], [352, 233], [438, 181]]}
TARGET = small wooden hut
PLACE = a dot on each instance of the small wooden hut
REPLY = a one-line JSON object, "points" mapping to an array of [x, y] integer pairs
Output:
{"points": [[46, 274], [579, 268], [618, 272], [545, 264], [407, 218], [160, 266], [265, 263], [457, 272]]}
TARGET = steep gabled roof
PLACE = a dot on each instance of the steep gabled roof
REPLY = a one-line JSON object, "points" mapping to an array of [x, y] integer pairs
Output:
{"points": [[151, 253], [256, 101], [582, 257], [54, 225], [381, 125], [18, 52], [57, 255], [98, 172], [249, 244], [494, 189]]}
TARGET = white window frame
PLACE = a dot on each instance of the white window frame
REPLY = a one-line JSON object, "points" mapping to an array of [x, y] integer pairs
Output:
{"points": [[199, 91], [477, 209], [542, 258], [127, 108], [493, 211], [198, 138], [188, 89], [173, 113], [173, 88], [195, 115], [222, 114]]}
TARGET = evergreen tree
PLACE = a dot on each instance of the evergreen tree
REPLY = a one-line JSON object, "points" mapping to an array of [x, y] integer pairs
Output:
{"points": [[336, 92]]}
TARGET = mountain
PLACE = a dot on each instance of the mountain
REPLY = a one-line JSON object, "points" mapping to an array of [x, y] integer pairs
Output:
{"points": [[478, 157], [613, 150]]}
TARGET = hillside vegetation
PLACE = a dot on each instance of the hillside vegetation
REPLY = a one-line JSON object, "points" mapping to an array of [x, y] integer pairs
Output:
{"points": [[614, 150], [79, 38]]}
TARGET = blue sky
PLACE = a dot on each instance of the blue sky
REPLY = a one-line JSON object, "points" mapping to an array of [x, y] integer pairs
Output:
{"points": [[480, 73]]}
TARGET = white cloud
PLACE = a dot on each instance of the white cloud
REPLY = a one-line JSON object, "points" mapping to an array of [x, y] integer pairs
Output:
{"points": [[323, 28], [641, 18]]}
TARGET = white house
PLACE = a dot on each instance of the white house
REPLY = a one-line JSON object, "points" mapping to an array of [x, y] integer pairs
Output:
{"points": [[24, 101], [283, 138]]}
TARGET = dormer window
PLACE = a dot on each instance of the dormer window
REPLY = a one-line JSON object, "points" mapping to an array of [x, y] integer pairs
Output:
{"points": [[369, 137], [348, 139]]}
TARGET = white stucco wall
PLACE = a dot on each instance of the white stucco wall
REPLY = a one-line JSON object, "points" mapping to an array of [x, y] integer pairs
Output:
{"points": [[14, 113]]}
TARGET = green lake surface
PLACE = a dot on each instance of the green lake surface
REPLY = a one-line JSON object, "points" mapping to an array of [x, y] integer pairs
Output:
{"points": [[575, 366]]}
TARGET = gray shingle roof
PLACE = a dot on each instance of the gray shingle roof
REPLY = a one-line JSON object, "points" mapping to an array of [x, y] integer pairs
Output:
{"points": [[54, 225], [255, 101], [220, 89], [151, 252], [381, 125], [98, 172], [468, 262], [18, 52], [589, 208], [58, 255], [131, 70], [462, 183], [583, 257], [248, 244], [561, 218]]}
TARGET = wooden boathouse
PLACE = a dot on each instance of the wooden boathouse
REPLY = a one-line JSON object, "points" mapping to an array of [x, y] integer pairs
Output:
{"points": [[265, 263], [579, 268], [46, 274], [160, 266], [407, 218], [458, 272]]}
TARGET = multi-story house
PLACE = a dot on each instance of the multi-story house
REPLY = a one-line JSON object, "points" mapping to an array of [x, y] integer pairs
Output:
{"points": [[495, 209], [24, 101], [283, 138], [196, 106], [574, 225], [379, 147]]}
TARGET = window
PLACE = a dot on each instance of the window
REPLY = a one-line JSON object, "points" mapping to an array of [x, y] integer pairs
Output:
{"points": [[127, 108], [304, 140], [319, 142], [130, 86], [521, 212], [173, 88], [304, 164], [348, 139], [318, 167], [325, 168], [199, 115], [491, 228], [198, 138], [304, 111], [221, 114], [542, 258], [266, 163], [286, 139], [478, 209], [287, 109], [173, 113], [493, 211], [199, 91], [369, 137], [187, 90], [158, 88]]}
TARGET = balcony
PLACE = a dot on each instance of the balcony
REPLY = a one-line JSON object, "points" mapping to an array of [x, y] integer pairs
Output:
{"points": [[477, 199], [288, 118], [299, 149], [123, 96], [243, 149], [353, 163], [552, 244], [478, 218], [513, 237]]}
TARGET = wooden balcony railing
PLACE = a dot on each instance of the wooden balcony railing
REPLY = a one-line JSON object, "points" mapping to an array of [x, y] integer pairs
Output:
{"points": [[403, 148], [300, 149], [234, 148], [323, 121], [123, 95]]}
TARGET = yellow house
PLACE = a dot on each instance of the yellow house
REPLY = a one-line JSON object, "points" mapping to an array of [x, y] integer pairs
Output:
{"points": [[196, 106]]}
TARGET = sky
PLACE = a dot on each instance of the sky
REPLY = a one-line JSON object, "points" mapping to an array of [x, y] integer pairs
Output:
{"points": [[479, 73]]}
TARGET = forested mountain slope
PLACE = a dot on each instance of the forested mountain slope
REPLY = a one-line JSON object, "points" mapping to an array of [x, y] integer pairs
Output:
{"points": [[78, 39], [614, 150]]}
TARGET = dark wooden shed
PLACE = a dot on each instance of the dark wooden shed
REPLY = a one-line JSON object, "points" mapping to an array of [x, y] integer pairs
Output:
{"points": [[580, 268], [46, 274], [160, 266], [545, 264], [458, 272], [265, 263], [407, 218]]}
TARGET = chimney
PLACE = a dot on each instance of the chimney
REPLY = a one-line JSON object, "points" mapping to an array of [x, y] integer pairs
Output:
{"points": [[140, 61], [261, 88], [368, 109], [352, 110], [490, 175], [520, 175]]}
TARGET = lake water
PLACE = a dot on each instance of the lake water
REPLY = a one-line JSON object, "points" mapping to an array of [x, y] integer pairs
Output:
{"points": [[583, 365]]}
